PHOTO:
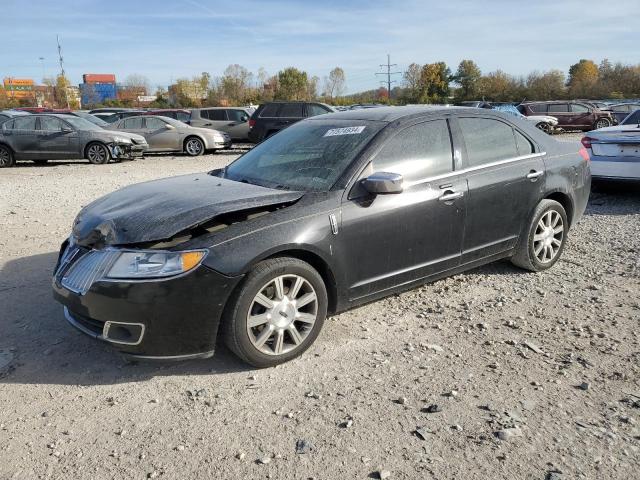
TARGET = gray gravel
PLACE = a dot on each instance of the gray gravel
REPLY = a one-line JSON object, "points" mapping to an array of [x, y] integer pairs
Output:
{"points": [[502, 395]]}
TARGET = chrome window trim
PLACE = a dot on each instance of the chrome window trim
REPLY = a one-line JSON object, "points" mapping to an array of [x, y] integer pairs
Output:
{"points": [[476, 168]]}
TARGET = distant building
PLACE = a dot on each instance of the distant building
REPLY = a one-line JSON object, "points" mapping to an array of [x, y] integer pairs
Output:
{"points": [[19, 88], [98, 88]]}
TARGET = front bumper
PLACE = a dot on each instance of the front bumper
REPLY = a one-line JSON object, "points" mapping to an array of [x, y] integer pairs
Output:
{"points": [[172, 318], [221, 145], [128, 151]]}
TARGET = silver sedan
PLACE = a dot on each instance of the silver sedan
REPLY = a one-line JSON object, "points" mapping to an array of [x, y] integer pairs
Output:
{"points": [[166, 134]]}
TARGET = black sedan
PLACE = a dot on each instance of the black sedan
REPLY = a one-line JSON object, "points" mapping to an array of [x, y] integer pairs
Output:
{"points": [[332, 212]]}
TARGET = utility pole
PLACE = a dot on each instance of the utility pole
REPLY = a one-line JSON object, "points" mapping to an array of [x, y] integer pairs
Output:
{"points": [[64, 78], [388, 73]]}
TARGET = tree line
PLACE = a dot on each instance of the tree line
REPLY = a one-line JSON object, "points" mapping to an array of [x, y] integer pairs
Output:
{"points": [[427, 83]]}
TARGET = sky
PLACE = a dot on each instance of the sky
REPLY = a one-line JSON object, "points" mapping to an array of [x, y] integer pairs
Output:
{"points": [[169, 39]]}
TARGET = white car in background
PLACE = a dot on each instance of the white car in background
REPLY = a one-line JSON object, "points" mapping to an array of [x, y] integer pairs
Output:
{"points": [[615, 151], [546, 123]]}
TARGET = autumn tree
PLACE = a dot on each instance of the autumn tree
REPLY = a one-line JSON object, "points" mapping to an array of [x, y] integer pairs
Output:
{"points": [[411, 82], [499, 86], [583, 77], [235, 84], [138, 83], [546, 85], [467, 76], [434, 83], [334, 84]]}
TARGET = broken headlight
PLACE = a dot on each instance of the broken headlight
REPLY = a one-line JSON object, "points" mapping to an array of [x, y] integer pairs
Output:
{"points": [[117, 139], [154, 264]]}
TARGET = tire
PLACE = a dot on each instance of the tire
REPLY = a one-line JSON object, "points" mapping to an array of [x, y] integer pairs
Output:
{"points": [[40, 161], [601, 123], [541, 244], [6, 157], [272, 339], [545, 127], [193, 146], [97, 154]]}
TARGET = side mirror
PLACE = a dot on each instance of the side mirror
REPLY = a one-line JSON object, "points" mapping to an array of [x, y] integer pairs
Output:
{"points": [[383, 182], [169, 126], [66, 129]]}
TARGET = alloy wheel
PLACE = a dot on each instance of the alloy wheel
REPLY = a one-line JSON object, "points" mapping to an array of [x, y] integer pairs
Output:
{"points": [[5, 157], [282, 314], [602, 123], [97, 154], [194, 147], [548, 237], [545, 127]]}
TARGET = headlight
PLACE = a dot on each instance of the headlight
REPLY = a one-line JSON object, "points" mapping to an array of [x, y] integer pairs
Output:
{"points": [[218, 138], [121, 140], [154, 264]]}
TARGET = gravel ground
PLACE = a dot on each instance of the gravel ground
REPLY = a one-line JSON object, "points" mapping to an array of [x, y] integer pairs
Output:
{"points": [[496, 373]]}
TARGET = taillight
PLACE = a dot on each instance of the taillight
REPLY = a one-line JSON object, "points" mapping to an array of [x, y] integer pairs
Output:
{"points": [[252, 123], [586, 142], [584, 153]]}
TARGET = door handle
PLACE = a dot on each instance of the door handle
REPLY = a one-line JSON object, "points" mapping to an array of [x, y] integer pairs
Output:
{"points": [[533, 174], [450, 196]]}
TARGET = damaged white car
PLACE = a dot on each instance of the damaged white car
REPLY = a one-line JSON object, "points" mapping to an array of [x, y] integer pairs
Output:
{"points": [[45, 137], [546, 123]]}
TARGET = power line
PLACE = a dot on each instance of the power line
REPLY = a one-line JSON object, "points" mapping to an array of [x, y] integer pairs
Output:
{"points": [[388, 73]]}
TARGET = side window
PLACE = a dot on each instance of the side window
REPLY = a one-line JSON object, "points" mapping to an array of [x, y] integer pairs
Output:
{"points": [[50, 124], [183, 116], [291, 110], [539, 108], [237, 115], [154, 123], [25, 123], [133, 123], [218, 115], [558, 108], [417, 152], [270, 110], [8, 125], [577, 108], [487, 140], [524, 145], [313, 110], [3, 117]]}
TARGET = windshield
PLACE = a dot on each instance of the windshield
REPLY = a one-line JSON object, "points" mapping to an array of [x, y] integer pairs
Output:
{"points": [[81, 123], [91, 118], [310, 155]]}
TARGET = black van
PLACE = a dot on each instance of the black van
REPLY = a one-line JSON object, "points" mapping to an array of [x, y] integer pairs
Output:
{"points": [[272, 117]]}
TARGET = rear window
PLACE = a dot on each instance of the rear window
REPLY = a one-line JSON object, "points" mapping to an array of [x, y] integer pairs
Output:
{"points": [[215, 115], [310, 155], [291, 110], [487, 140], [558, 108], [270, 110], [576, 107], [313, 110], [633, 118], [25, 123], [538, 108]]}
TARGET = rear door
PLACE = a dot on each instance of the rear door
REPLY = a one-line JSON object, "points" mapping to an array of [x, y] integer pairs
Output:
{"points": [[237, 124], [505, 177], [394, 239], [581, 115], [216, 119], [24, 137], [562, 113], [58, 139]]}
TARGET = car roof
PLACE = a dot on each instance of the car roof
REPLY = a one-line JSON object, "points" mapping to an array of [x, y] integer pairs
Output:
{"points": [[390, 114]]}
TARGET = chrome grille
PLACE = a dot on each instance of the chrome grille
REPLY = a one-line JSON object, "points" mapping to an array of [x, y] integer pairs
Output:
{"points": [[87, 269]]}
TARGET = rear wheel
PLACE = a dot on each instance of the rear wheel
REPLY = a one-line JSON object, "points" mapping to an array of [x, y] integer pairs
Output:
{"points": [[601, 123], [277, 313], [541, 245], [193, 146], [6, 157], [98, 154]]}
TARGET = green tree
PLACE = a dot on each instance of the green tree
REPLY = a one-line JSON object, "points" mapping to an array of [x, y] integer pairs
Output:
{"points": [[292, 85], [546, 86], [467, 76], [235, 84], [412, 78], [434, 83]]}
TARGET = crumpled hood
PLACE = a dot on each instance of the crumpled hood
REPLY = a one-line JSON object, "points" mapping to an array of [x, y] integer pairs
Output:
{"points": [[543, 118], [158, 210], [131, 136]]}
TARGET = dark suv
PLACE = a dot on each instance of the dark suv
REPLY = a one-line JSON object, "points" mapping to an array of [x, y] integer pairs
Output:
{"points": [[270, 118], [570, 115]]}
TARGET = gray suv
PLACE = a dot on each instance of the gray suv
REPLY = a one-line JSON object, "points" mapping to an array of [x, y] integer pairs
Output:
{"points": [[45, 137], [232, 120]]}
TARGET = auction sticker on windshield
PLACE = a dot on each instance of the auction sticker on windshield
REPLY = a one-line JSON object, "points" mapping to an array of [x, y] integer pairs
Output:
{"points": [[344, 131]]}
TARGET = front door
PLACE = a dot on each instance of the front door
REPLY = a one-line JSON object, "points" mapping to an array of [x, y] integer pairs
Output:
{"points": [[505, 177], [238, 125], [390, 240], [160, 135]]}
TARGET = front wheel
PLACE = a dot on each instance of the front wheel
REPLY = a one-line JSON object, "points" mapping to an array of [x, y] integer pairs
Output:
{"points": [[193, 147], [277, 313], [601, 123], [6, 157], [542, 243], [545, 127], [98, 154]]}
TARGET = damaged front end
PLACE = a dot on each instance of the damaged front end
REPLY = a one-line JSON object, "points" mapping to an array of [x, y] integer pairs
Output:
{"points": [[127, 150]]}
